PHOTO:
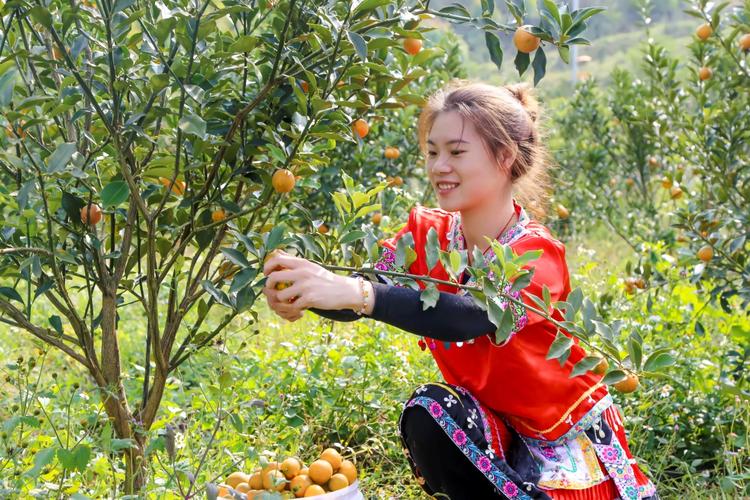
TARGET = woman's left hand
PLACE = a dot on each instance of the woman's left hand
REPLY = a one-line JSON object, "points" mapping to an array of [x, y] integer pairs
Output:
{"points": [[310, 286]]}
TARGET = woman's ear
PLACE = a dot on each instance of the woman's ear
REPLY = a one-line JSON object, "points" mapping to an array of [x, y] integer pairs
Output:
{"points": [[506, 158]]}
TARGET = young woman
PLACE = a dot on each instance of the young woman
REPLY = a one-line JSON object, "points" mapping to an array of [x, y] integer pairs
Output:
{"points": [[505, 422]]}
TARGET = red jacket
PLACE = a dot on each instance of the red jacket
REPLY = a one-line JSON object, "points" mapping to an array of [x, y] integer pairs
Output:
{"points": [[535, 395]]}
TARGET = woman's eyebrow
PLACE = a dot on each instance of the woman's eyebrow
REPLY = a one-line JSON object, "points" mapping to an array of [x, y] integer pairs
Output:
{"points": [[449, 142]]}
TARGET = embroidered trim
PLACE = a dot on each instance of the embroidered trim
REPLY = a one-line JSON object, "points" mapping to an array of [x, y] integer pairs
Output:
{"points": [[387, 262], [472, 452], [580, 426]]}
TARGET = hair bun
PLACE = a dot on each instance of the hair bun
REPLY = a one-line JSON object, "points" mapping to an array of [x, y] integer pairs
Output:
{"points": [[525, 95]]}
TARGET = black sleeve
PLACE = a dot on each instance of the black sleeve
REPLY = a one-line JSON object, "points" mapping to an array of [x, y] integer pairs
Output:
{"points": [[454, 318]]}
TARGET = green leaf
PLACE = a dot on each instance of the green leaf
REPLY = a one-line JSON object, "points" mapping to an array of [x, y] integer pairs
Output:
{"points": [[488, 7], [56, 324], [42, 459], [560, 346], [41, 15], [360, 45], [432, 249], [493, 45], [506, 325], [522, 62], [77, 459], [274, 238], [242, 278], [658, 360], [354, 235], [214, 292], [521, 282], [635, 351], [235, 256], [245, 299], [10, 293], [7, 84], [547, 298], [539, 65], [159, 81], [193, 124], [429, 296], [61, 157], [585, 365], [551, 8], [614, 376], [564, 53], [115, 193], [244, 43], [368, 5]]}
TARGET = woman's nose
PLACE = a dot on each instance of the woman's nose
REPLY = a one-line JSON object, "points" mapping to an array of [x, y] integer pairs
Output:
{"points": [[441, 164]]}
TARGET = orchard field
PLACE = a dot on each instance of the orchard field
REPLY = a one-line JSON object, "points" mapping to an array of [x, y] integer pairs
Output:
{"points": [[154, 154]]}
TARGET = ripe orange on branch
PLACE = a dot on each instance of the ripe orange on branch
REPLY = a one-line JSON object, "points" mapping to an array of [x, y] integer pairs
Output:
{"points": [[706, 253], [601, 367], [392, 152], [361, 128], [628, 385], [177, 188], [525, 41], [283, 181], [744, 42], [218, 215], [705, 73], [91, 214], [562, 212], [704, 31], [412, 45]]}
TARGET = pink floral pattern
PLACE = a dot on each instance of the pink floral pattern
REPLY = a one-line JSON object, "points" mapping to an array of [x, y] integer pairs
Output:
{"points": [[459, 437]]}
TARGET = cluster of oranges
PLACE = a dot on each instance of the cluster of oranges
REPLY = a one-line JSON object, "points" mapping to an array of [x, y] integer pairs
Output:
{"points": [[293, 479], [703, 32]]}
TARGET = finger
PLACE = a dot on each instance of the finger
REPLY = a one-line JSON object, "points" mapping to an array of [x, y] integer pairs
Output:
{"points": [[283, 276], [280, 260]]}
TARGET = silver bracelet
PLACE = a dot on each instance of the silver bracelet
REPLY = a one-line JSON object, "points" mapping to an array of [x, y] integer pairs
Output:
{"points": [[365, 295]]}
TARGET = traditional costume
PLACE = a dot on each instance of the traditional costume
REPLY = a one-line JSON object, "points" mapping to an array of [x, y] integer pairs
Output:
{"points": [[572, 432]]}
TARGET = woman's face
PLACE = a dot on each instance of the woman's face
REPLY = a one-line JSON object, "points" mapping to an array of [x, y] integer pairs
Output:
{"points": [[461, 170]]}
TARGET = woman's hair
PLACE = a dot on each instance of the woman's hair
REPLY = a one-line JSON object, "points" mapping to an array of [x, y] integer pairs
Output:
{"points": [[507, 119]]}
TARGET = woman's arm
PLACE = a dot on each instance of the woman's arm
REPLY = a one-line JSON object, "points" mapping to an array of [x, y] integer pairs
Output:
{"points": [[455, 318]]}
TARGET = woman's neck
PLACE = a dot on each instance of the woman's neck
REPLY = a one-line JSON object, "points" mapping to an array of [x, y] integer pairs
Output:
{"points": [[486, 221]]}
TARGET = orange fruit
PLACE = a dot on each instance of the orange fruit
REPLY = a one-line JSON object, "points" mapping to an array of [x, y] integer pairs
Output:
{"points": [[745, 42], [283, 180], [392, 152], [323, 229], [395, 181], [525, 41], [412, 45], [305, 86], [675, 192], [704, 31], [376, 218], [601, 367], [706, 253], [91, 214], [653, 162], [705, 73], [628, 385], [314, 490], [304, 471], [218, 215], [630, 181], [666, 183], [274, 480], [562, 212], [223, 490], [236, 478], [243, 487], [338, 482], [333, 457], [639, 283], [177, 188], [320, 471], [348, 469], [255, 481], [299, 485], [361, 128], [290, 467]]}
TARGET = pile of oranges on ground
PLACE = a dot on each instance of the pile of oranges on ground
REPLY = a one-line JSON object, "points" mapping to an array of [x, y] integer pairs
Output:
{"points": [[293, 479]]}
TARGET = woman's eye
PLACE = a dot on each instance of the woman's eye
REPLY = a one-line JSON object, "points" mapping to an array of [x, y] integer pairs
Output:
{"points": [[457, 152], [431, 153]]}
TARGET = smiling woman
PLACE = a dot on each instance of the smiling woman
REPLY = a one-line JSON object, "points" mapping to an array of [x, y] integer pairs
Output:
{"points": [[505, 422]]}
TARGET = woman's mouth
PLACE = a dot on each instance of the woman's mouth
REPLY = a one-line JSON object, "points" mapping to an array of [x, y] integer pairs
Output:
{"points": [[446, 187]]}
